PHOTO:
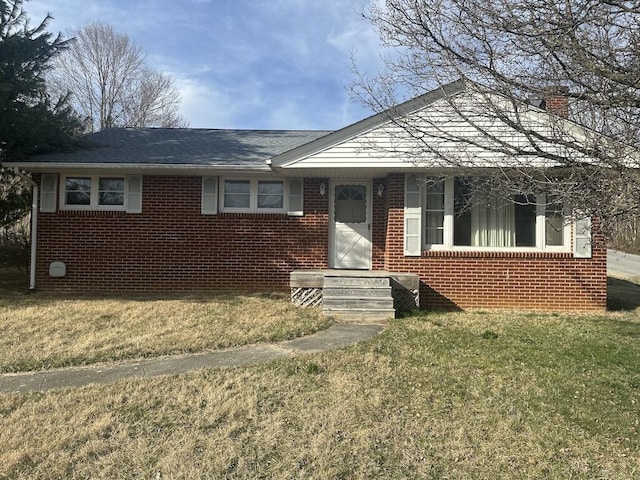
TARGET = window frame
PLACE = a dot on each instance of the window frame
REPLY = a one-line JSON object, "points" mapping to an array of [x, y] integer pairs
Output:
{"points": [[449, 220], [94, 193], [253, 196]]}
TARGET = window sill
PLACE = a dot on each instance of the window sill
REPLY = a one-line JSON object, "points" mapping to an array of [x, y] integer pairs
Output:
{"points": [[92, 213], [497, 254], [228, 214], [92, 208], [264, 211]]}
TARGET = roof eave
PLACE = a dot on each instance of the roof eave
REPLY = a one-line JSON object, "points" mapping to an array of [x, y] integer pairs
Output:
{"points": [[61, 166]]}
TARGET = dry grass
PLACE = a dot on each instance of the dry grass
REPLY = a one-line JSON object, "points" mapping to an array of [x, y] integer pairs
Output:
{"points": [[455, 396], [45, 331], [440, 396]]}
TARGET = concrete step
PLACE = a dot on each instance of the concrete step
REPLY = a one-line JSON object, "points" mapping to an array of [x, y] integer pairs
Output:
{"points": [[364, 292], [356, 315], [358, 298], [357, 303], [356, 281]]}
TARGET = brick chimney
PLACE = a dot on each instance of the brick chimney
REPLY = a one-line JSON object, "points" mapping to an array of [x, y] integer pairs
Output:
{"points": [[556, 101]]}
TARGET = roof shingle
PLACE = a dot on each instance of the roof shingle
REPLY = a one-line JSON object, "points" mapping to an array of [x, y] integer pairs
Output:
{"points": [[184, 146]]}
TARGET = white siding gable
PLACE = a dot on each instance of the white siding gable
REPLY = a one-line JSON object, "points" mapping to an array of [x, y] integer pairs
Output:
{"points": [[459, 131]]}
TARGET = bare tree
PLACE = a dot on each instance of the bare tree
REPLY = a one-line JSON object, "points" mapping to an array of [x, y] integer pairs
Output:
{"points": [[513, 56], [112, 85]]}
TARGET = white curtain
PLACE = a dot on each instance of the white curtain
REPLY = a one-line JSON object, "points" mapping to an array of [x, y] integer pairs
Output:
{"points": [[493, 223]]}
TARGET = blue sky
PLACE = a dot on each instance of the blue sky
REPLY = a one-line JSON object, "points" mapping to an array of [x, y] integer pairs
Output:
{"points": [[258, 64]]}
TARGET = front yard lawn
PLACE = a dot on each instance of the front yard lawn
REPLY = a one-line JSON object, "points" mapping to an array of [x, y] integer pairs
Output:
{"points": [[42, 331], [455, 395], [435, 396]]}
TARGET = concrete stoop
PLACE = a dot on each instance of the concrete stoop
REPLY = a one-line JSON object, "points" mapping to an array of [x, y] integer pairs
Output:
{"points": [[358, 298]]}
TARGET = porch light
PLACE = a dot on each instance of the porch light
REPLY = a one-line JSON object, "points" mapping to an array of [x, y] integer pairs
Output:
{"points": [[323, 189], [380, 190]]}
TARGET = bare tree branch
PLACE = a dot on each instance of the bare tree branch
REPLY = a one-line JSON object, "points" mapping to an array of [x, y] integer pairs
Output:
{"points": [[111, 84], [514, 56]]}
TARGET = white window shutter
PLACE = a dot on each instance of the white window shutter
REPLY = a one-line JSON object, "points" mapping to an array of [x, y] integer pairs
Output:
{"points": [[48, 187], [134, 194], [582, 237], [412, 217], [209, 205], [296, 197]]}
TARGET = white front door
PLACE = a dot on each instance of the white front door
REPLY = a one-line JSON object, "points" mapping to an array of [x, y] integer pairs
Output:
{"points": [[351, 219]]}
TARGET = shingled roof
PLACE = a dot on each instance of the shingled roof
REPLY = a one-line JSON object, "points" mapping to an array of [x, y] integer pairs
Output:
{"points": [[183, 147]]}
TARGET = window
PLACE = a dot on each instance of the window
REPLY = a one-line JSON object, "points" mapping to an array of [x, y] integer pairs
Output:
{"points": [[526, 211], [350, 204], [77, 190], [434, 211], [262, 196], [237, 194], [271, 194], [111, 191], [442, 214], [101, 193], [493, 221]]}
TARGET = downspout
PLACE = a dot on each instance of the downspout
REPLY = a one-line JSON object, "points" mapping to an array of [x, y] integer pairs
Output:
{"points": [[34, 227]]}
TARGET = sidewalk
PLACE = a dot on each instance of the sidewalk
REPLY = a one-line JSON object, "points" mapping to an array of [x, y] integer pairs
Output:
{"points": [[337, 336], [623, 264]]}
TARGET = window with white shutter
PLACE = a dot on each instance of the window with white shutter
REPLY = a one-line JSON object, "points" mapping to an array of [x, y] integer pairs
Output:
{"points": [[101, 192], [582, 237], [134, 194], [296, 196], [412, 217], [48, 187], [444, 214], [209, 195]]}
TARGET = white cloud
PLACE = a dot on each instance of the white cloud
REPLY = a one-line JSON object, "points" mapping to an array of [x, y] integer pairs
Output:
{"points": [[70, 14], [204, 107], [242, 63], [291, 115]]}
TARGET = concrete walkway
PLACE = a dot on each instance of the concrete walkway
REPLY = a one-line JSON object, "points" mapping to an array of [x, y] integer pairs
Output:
{"points": [[337, 336], [623, 264]]}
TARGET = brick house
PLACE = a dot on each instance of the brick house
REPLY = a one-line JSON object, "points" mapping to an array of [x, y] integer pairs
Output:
{"points": [[204, 210]]}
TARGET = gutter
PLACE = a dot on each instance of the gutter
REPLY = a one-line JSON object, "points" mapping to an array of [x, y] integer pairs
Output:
{"points": [[34, 227], [187, 169]]}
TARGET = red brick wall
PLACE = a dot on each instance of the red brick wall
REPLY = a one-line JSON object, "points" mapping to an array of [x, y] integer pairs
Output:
{"points": [[557, 101], [494, 280], [379, 225], [172, 246]]}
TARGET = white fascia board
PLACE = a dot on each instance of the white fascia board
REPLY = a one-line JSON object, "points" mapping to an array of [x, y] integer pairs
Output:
{"points": [[366, 173], [46, 167]]}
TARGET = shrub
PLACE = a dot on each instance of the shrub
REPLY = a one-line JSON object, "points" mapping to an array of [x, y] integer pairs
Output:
{"points": [[15, 247]]}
